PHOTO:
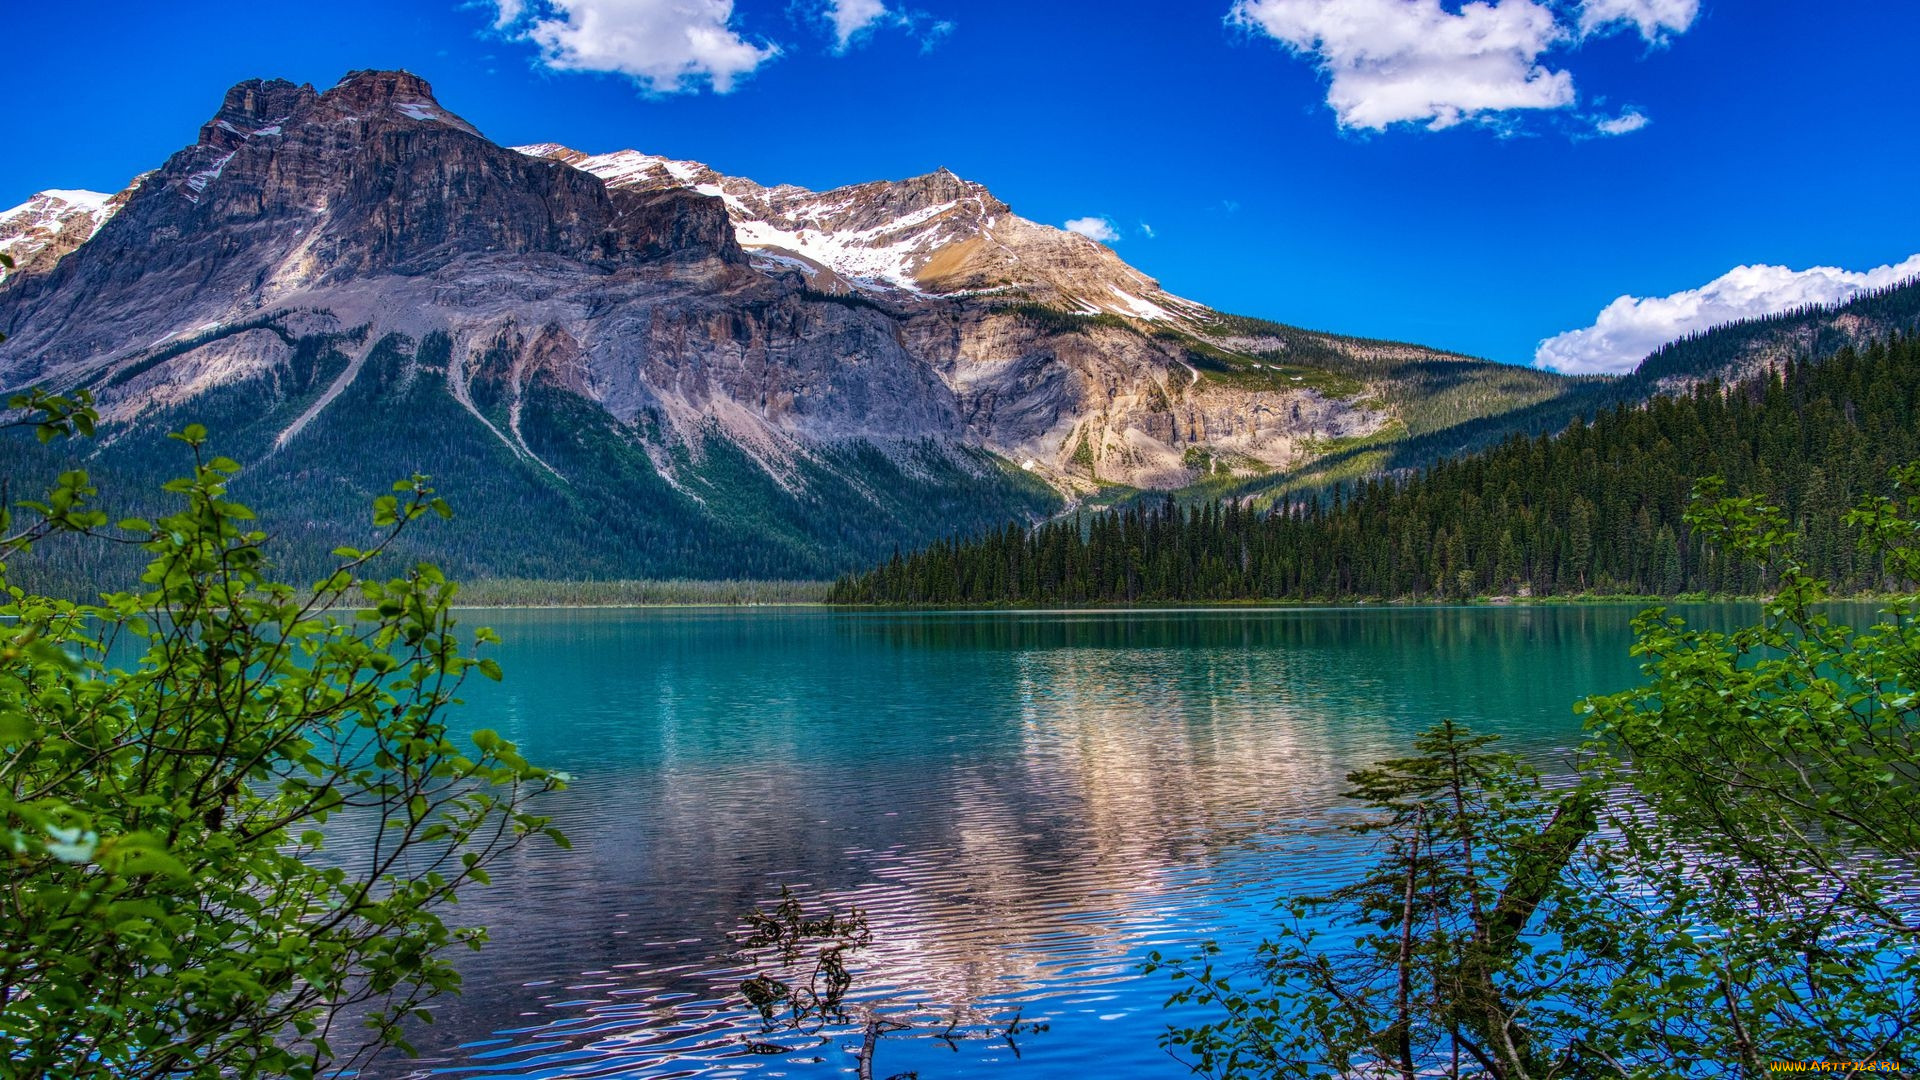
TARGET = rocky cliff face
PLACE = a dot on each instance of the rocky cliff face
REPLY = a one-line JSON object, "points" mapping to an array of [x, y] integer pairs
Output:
{"points": [[640, 328], [1056, 353]]}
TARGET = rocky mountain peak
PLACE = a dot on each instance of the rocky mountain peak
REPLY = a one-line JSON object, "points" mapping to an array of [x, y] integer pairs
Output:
{"points": [[38, 232], [931, 235], [566, 155], [367, 94], [943, 184], [255, 104], [368, 87], [286, 190]]}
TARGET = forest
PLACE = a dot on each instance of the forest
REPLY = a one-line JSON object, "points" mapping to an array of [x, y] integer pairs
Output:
{"points": [[1598, 508], [605, 511]]}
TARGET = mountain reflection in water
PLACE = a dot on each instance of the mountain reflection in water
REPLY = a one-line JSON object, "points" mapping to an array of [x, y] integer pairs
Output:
{"points": [[1024, 804]]}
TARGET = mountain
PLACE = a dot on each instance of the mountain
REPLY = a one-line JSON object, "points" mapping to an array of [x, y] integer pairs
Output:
{"points": [[624, 365], [43, 230]]}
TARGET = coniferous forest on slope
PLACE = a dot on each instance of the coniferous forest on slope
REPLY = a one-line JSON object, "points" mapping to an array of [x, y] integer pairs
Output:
{"points": [[614, 516], [1597, 508]]}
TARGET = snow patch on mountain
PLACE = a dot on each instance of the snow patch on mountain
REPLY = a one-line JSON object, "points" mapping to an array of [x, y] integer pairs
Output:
{"points": [[934, 235], [872, 257], [58, 217], [199, 181], [1145, 309]]}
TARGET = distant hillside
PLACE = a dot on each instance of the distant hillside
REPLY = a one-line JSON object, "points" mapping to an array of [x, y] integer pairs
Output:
{"points": [[1595, 508], [1728, 354]]}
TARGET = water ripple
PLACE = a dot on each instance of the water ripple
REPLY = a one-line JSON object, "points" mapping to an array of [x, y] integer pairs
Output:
{"points": [[1024, 806]]}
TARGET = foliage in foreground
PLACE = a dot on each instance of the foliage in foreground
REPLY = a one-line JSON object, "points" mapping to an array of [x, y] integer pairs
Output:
{"points": [[176, 767], [1424, 960], [1725, 884]]}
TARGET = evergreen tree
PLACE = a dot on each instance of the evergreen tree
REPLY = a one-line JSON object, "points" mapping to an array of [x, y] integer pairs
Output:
{"points": [[1598, 508]]}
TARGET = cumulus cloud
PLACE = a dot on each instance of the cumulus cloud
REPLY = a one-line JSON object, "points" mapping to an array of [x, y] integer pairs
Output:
{"points": [[1440, 63], [850, 18], [1395, 61], [1632, 327], [1094, 228], [1655, 19], [1625, 124], [666, 46]]}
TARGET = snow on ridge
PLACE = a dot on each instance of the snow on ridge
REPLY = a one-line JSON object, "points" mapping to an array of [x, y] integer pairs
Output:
{"points": [[683, 170], [912, 220], [50, 210], [887, 255], [625, 167], [763, 260], [78, 198], [419, 111], [30, 227], [885, 265], [199, 181], [272, 128], [736, 206]]}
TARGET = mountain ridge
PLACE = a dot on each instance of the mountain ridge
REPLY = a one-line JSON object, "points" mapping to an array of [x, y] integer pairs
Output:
{"points": [[934, 234], [628, 339]]}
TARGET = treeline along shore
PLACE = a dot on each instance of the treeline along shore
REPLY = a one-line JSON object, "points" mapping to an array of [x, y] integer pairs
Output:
{"points": [[530, 593], [1598, 508]]}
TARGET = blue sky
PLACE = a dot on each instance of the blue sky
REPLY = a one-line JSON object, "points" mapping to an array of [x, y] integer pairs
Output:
{"points": [[1409, 169]]}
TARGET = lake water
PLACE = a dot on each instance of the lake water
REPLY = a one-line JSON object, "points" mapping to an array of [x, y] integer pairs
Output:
{"points": [[1023, 804]]}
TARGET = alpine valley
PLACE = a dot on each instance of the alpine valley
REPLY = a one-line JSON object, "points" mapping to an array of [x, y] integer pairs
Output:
{"points": [[621, 366]]}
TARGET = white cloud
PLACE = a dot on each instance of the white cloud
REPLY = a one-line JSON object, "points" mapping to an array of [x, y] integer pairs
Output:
{"points": [[1631, 327], [1655, 19], [667, 46], [507, 12], [853, 21], [1146, 230], [1625, 124], [1094, 228], [1413, 61], [852, 17]]}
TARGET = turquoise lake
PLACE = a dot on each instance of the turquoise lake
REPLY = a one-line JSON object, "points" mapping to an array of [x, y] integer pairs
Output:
{"points": [[1023, 804]]}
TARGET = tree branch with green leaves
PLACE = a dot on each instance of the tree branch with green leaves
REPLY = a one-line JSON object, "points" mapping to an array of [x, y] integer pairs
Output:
{"points": [[1722, 883], [175, 763]]}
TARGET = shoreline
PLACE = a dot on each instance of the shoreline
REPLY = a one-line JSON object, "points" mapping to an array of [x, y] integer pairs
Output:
{"points": [[1623, 600]]}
